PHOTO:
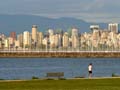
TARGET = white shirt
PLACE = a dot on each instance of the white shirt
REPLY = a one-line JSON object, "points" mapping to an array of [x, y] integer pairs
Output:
{"points": [[90, 67]]}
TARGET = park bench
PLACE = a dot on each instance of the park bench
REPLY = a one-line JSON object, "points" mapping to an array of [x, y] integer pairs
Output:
{"points": [[55, 75]]}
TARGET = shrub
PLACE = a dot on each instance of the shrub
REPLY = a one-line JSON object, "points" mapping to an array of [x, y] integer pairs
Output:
{"points": [[62, 78], [1, 79], [114, 75], [34, 77]]}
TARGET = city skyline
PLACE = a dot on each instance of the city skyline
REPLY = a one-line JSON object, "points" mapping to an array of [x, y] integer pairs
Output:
{"points": [[97, 39], [89, 10]]}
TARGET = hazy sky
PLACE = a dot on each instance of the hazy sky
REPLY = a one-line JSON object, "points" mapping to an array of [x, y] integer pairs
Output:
{"points": [[89, 10]]}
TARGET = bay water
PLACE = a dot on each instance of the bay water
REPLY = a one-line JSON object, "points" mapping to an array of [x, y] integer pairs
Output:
{"points": [[26, 68]]}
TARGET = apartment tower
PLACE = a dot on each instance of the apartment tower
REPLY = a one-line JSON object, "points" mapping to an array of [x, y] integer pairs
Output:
{"points": [[113, 27], [34, 33]]}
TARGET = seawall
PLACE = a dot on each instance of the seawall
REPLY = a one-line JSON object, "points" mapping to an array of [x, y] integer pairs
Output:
{"points": [[60, 54]]}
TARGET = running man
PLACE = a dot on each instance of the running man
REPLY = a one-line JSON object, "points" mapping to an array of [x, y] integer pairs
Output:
{"points": [[90, 70]]}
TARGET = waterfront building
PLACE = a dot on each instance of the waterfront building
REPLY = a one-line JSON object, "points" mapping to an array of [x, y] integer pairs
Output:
{"points": [[65, 40], [50, 32], [45, 43], [118, 40], [115, 41], [17, 44], [40, 39], [11, 42], [113, 27], [88, 39], [6, 42], [26, 39], [52, 41], [60, 40], [74, 38], [13, 35], [109, 43], [2, 36], [94, 27], [95, 38], [56, 40], [20, 39], [111, 35], [34, 34], [96, 34], [74, 32], [0, 44], [82, 40], [103, 37], [75, 42]]}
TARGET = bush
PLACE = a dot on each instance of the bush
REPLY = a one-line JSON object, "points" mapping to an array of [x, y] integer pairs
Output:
{"points": [[1, 79], [62, 78], [34, 77], [50, 79], [79, 77], [114, 75]]}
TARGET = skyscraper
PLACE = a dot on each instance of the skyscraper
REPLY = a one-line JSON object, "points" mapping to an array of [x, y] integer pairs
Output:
{"points": [[65, 40], [20, 39], [74, 38], [34, 33], [26, 39], [40, 39], [51, 32], [94, 28], [113, 27], [74, 32], [56, 40], [11, 42], [13, 35]]}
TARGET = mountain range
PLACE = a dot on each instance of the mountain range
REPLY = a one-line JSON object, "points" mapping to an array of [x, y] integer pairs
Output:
{"points": [[21, 23]]}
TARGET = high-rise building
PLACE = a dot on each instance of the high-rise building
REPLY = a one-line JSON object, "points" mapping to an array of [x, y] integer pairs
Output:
{"points": [[65, 40], [96, 34], [34, 33], [20, 39], [17, 44], [94, 27], [11, 42], [26, 39], [74, 38], [74, 32], [52, 41], [13, 35], [40, 39], [75, 42], [113, 27], [51, 32], [60, 40], [6, 42], [0, 44], [45, 43], [56, 40]]}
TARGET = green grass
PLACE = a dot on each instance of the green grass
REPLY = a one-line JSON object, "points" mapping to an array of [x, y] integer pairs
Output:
{"points": [[81, 84]]}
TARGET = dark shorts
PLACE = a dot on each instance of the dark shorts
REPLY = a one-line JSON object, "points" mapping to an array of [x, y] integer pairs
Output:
{"points": [[90, 71]]}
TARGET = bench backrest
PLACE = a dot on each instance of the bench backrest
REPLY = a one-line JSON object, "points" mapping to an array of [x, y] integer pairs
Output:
{"points": [[55, 74]]}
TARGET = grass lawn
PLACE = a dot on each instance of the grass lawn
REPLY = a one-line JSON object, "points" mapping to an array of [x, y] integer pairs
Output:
{"points": [[78, 84]]}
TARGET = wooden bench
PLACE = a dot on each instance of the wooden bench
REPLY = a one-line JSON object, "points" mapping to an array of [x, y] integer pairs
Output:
{"points": [[55, 75]]}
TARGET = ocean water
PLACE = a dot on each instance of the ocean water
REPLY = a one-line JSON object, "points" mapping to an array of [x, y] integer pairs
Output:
{"points": [[25, 68]]}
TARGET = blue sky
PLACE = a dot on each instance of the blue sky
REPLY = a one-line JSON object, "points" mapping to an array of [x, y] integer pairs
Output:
{"points": [[89, 10]]}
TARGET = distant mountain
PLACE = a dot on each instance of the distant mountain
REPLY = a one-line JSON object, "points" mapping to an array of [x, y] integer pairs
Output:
{"points": [[20, 23]]}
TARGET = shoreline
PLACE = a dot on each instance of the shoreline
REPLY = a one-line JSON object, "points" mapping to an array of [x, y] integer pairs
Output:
{"points": [[60, 54], [93, 78]]}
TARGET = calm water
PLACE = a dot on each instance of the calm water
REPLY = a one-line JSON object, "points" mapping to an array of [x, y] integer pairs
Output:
{"points": [[25, 68]]}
